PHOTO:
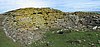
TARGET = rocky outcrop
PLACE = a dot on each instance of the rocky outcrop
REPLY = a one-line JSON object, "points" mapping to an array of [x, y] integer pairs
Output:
{"points": [[87, 19], [28, 25]]}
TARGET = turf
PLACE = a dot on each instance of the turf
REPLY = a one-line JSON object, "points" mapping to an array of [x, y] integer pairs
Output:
{"points": [[88, 39], [73, 39], [6, 41]]}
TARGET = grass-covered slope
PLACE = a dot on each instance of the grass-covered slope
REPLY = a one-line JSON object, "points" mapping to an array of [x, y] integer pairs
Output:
{"points": [[72, 39], [6, 41]]}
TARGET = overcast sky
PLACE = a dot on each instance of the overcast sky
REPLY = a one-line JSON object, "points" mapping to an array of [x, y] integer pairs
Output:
{"points": [[64, 5]]}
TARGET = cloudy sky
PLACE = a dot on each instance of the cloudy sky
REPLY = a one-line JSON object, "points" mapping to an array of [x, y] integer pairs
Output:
{"points": [[64, 5]]}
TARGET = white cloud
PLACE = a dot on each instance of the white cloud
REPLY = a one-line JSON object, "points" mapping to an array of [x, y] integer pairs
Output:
{"points": [[70, 5], [32, 3], [7, 5]]}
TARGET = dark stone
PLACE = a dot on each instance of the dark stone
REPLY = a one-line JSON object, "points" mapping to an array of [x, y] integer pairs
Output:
{"points": [[55, 21], [39, 12], [47, 44], [47, 13], [60, 18], [45, 23], [13, 15], [14, 21], [45, 19], [34, 13], [89, 34], [60, 32], [80, 22], [64, 14], [97, 22]]}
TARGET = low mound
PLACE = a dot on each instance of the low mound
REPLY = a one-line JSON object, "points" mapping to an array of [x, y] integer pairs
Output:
{"points": [[27, 25]]}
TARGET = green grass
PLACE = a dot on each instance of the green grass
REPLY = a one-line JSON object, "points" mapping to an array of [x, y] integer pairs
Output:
{"points": [[6, 41], [70, 39], [58, 40]]}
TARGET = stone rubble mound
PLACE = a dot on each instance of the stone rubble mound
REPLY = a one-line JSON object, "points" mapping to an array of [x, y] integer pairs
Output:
{"points": [[27, 25]]}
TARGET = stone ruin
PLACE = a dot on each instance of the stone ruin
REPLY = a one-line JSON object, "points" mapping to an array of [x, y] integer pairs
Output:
{"points": [[28, 25]]}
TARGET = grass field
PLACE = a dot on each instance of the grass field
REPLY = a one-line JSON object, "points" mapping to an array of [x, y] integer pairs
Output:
{"points": [[72, 39], [6, 41]]}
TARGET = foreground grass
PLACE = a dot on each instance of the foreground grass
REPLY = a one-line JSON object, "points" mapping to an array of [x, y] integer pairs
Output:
{"points": [[6, 41], [73, 39]]}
